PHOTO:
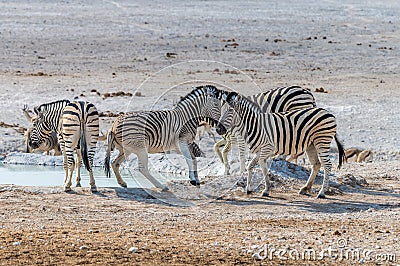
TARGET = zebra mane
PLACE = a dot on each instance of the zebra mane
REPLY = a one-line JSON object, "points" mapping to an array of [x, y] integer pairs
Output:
{"points": [[200, 90], [236, 101], [248, 104], [41, 107]]}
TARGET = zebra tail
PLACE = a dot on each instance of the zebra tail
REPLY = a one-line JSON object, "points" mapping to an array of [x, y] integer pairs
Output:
{"points": [[110, 140], [342, 156], [84, 150]]}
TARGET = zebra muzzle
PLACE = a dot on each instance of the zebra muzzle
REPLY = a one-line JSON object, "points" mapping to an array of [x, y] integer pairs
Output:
{"points": [[34, 144], [221, 130]]}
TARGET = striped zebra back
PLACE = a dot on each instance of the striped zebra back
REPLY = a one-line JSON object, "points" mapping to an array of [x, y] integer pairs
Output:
{"points": [[274, 101], [284, 133], [284, 99], [159, 130]]}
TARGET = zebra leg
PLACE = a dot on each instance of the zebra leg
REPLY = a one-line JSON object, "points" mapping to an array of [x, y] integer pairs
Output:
{"points": [[92, 183], [65, 161], [242, 153], [71, 166], [218, 145], [78, 167], [225, 151], [115, 166], [323, 153], [312, 156], [143, 158], [250, 172], [211, 134], [265, 164], [325, 185], [191, 162]]}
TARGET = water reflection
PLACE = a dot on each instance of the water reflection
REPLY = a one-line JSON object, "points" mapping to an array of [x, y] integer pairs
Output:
{"points": [[29, 175]]}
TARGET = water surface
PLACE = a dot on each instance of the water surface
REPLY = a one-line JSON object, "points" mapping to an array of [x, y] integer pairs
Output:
{"points": [[28, 175]]}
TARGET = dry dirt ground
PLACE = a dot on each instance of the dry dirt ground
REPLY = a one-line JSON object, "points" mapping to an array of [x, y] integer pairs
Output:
{"points": [[358, 223], [77, 50]]}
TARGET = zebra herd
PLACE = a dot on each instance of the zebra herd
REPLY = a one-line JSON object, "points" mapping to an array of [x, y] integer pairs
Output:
{"points": [[282, 121]]}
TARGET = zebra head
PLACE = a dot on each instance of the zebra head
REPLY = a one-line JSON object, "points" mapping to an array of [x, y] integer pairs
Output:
{"points": [[200, 107], [47, 120], [231, 98], [226, 121], [40, 131]]}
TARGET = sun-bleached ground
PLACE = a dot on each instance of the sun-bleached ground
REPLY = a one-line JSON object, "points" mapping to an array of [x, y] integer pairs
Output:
{"points": [[75, 50]]}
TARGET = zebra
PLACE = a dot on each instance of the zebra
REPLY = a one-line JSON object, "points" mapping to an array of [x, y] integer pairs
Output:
{"points": [[47, 145], [276, 100], [289, 133], [77, 127], [161, 131], [51, 143]]}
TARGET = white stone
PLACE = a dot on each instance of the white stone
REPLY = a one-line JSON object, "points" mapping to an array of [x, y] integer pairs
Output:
{"points": [[133, 249]]}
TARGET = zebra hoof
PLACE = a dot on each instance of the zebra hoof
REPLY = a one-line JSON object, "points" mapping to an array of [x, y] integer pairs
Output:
{"points": [[321, 196], [123, 185], [303, 191], [67, 189], [195, 183], [265, 193], [248, 192], [93, 189], [164, 189], [78, 185]]}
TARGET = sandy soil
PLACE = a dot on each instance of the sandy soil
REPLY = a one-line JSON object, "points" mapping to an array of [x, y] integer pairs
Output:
{"points": [[75, 50]]}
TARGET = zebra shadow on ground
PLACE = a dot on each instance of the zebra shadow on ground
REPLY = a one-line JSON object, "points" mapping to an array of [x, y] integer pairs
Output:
{"points": [[146, 195], [349, 202]]}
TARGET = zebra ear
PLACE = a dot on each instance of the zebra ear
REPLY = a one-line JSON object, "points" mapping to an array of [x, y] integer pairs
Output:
{"points": [[224, 95], [231, 98], [212, 91]]}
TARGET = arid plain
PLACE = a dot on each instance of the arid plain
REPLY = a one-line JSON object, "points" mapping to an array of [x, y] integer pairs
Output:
{"points": [[154, 52]]}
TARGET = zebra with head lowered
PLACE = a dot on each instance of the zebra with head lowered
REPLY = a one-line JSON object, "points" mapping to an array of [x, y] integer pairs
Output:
{"points": [[77, 127], [274, 101], [161, 131], [47, 145], [289, 133]]}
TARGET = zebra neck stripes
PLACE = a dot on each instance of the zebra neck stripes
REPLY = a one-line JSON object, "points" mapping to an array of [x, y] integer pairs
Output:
{"points": [[49, 113]]}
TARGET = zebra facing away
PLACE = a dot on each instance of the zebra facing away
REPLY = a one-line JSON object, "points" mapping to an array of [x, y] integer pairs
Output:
{"points": [[289, 133], [160, 131], [274, 101], [77, 127]]}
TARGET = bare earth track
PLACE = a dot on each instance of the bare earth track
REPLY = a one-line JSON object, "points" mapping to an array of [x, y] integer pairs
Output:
{"points": [[70, 49]]}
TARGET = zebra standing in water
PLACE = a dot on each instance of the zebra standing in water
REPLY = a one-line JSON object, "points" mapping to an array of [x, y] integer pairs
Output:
{"points": [[274, 101], [289, 133], [77, 126], [147, 132]]}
